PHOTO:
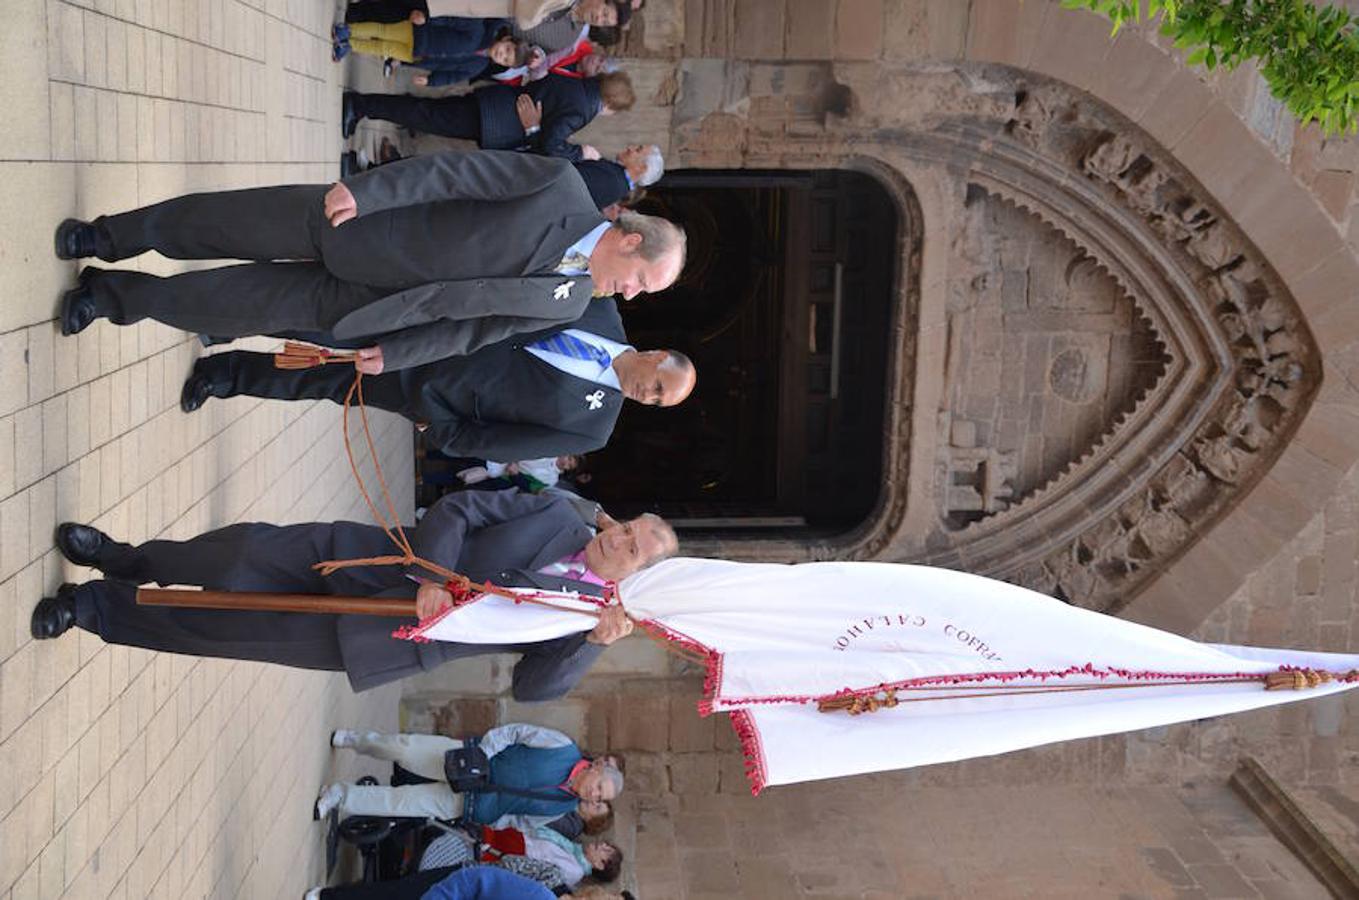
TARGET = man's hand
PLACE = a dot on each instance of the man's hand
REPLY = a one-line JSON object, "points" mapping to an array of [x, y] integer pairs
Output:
{"points": [[340, 204], [530, 113], [603, 520], [432, 598], [369, 360], [420, 80], [589, 151], [613, 624], [417, 17], [474, 475]]}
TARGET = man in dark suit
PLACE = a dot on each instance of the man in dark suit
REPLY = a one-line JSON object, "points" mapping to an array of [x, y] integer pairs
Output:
{"points": [[439, 255], [610, 181], [554, 392], [537, 117], [509, 538]]}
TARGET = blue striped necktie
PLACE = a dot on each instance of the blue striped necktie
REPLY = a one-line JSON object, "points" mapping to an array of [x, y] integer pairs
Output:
{"points": [[572, 346]]}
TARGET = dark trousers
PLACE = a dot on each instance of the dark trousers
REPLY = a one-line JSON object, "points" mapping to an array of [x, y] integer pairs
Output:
{"points": [[254, 374], [412, 887], [383, 10], [454, 117], [218, 559], [320, 338], [263, 224]]}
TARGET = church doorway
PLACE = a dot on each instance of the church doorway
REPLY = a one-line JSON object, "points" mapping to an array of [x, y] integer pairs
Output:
{"points": [[785, 307]]}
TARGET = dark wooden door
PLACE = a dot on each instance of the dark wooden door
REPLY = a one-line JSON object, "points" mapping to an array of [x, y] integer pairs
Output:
{"points": [[784, 307]]}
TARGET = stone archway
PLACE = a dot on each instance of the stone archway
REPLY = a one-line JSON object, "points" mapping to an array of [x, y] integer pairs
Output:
{"points": [[1234, 366], [788, 308]]}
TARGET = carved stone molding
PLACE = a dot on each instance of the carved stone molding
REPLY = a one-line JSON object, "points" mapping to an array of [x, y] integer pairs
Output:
{"points": [[1240, 366]]}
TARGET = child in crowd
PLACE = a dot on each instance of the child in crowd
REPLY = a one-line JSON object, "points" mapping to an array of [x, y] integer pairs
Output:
{"points": [[451, 50]]}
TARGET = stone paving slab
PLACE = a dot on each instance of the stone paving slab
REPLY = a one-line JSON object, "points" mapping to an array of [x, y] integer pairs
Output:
{"points": [[128, 773]]}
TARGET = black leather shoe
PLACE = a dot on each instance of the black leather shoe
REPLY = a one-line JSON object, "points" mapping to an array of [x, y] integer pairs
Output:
{"points": [[78, 307], [74, 239], [81, 544], [349, 117], [54, 616], [198, 387]]}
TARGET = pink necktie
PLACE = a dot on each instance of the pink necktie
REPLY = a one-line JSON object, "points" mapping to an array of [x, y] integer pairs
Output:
{"points": [[573, 567]]}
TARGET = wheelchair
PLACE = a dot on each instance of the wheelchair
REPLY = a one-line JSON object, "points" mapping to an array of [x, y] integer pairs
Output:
{"points": [[389, 847]]}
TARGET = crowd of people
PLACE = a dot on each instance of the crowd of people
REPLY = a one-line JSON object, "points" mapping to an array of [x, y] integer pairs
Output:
{"points": [[476, 290], [526, 830]]}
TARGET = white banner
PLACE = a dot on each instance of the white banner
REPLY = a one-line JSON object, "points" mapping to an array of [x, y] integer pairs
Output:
{"points": [[777, 639]]}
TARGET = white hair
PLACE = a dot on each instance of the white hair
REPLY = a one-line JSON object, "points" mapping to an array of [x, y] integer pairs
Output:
{"points": [[615, 777], [655, 167]]}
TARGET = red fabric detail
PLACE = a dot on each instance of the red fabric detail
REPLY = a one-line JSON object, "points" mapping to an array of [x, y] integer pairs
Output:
{"points": [[582, 49], [752, 752], [412, 633], [501, 842], [461, 597], [712, 660], [579, 52]]}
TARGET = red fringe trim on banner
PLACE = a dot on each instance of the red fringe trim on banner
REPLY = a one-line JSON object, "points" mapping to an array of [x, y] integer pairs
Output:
{"points": [[757, 771], [710, 658], [461, 597], [412, 633], [1088, 669]]}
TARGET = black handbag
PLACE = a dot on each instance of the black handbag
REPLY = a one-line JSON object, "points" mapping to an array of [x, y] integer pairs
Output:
{"points": [[468, 770]]}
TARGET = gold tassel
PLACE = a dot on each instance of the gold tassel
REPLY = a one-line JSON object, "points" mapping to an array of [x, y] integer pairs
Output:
{"points": [[858, 705], [296, 355], [1296, 679]]}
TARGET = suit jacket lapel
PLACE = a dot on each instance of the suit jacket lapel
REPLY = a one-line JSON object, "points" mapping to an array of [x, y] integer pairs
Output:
{"points": [[581, 401], [568, 230], [563, 543]]}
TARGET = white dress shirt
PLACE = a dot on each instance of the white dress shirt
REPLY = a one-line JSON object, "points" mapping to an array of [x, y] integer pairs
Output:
{"points": [[544, 469]]}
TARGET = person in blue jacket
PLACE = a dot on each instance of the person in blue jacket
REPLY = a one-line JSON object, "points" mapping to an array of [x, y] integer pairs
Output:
{"points": [[451, 49], [467, 883], [543, 762]]}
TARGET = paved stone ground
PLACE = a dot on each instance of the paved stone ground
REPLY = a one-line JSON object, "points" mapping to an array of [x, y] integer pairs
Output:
{"points": [[127, 773]]}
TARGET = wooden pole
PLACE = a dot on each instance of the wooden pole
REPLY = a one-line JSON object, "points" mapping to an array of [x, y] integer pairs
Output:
{"points": [[298, 603]]}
